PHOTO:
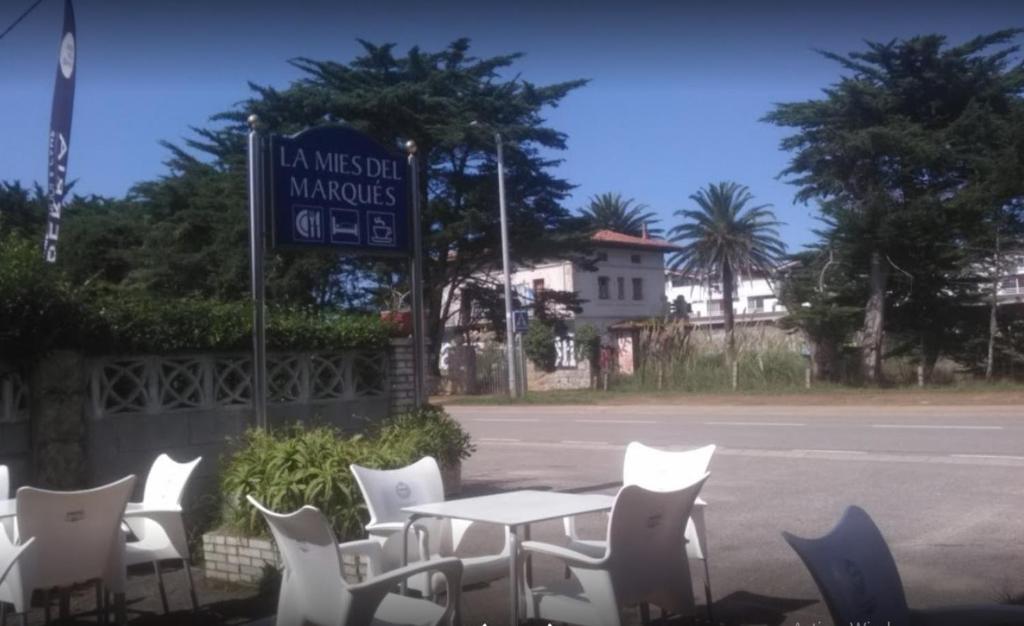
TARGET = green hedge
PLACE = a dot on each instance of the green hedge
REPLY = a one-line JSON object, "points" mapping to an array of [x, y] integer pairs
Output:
{"points": [[293, 467], [40, 311]]}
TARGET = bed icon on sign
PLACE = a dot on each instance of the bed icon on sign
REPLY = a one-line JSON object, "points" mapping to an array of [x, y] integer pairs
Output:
{"points": [[345, 226], [381, 229]]}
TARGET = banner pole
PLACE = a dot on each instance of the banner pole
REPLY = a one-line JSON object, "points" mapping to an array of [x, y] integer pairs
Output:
{"points": [[256, 234], [418, 344], [60, 133]]}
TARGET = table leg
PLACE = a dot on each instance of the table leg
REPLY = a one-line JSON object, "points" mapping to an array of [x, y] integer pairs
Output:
{"points": [[529, 562], [513, 578], [405, 551]]}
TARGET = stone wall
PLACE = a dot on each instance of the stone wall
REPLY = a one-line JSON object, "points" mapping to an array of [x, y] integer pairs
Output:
{"points": [[15, 428], [82, 422], [576, 377]]}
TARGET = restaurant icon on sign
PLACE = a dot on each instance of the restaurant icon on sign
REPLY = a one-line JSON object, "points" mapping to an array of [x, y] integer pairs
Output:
{"points": [[308, 223]]}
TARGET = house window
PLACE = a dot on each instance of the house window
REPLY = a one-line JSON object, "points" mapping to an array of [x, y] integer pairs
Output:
{"points": [[681, 281], [755, 304], [603, 287], [538, 287], [635, 258], [620, 283], [638, 288], [602, 256], [714, 307]]}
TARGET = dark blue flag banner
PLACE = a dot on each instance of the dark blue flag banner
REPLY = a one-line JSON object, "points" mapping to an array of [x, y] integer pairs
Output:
{"points": [[60, 132]]}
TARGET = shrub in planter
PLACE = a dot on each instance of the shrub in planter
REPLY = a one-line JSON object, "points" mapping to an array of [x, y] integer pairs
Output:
{"points": [[430, 431], [290, 468]]}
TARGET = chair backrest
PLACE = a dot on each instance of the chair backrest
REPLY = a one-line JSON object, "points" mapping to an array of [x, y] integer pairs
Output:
{"points": [[387, 491], [5, 483], [166, 481], [10, 553], [78, 533], [312, 586], [644, 534], [662, 470], [855, 572]]}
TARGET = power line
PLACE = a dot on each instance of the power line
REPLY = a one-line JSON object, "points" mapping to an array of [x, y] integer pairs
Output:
{"points": [[23, 16]]}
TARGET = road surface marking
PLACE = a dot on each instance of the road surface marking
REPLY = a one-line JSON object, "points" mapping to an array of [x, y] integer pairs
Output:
{"points": [[937, 426], [754, 424], [505, 419], [807, 455], [499, 440], [989, 456], [617, 421]]}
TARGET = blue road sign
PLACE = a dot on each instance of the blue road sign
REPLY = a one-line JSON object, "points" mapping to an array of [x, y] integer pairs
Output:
{"points": [[334, 187], [520, 320]]}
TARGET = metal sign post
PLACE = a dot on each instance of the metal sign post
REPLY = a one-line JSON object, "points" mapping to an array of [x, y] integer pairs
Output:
{"points": [[335, 187], [418, 345], [257, 239]]}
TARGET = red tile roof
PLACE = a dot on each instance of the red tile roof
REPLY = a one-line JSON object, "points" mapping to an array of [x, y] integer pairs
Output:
{"points": [[622, 240]]}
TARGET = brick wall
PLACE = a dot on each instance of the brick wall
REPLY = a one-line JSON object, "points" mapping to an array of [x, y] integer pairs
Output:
{"points": [[243, 559]]}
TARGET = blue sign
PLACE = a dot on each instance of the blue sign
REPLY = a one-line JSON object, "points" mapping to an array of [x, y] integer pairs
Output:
{"points": [[520, 320], [334, 187]]}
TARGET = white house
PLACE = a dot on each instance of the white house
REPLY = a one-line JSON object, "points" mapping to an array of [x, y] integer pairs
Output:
{"points": [[1011, 287], [626, 286], [755, 299]]}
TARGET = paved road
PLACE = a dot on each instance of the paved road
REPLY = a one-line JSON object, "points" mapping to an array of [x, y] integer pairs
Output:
{"points": [[943, 483]]}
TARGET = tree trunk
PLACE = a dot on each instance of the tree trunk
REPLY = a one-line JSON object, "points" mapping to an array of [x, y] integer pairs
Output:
{"points": [[993, 322], [929, 356], [729, 319], [873, 331]]}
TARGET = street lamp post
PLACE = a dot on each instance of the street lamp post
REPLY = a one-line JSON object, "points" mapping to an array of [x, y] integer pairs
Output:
{"points": [[513, 387]]}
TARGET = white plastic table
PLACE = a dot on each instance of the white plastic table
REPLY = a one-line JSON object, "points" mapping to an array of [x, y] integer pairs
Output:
{"points": [[513, 509]]}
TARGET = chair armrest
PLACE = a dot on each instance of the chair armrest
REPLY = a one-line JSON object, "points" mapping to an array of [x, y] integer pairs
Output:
{"points": [[450, 568], [364, 547], [153, 512], [973, 614], [385, 527], [367, 595], [570, 557]]}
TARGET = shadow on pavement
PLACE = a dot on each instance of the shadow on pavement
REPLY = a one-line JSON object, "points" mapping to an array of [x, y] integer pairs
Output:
{"points": [[743, 608]]}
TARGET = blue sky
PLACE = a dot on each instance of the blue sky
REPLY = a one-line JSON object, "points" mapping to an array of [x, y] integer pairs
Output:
{"points": [[676, 94]]}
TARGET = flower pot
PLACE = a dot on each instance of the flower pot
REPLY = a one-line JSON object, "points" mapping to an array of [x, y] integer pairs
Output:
{"points": [[400, 320], [451, 478]]}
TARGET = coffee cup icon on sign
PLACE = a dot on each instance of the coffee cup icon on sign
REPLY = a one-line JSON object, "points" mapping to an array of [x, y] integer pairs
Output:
{"points": [[382, 229]]}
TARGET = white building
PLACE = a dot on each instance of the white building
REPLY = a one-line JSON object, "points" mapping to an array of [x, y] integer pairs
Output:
{"points": [[755, 299], [627, 285], [1011, 286]]}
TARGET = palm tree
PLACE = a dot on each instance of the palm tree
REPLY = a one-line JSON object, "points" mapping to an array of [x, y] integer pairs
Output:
{"points": [[723, 238], [611, 211]]}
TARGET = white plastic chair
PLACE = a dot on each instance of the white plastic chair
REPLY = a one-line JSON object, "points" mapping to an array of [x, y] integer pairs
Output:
{"points": [[6, 524], [387, 492], [643, 562], [160, 530], [858, 579], [9, 555], [78, 539], [662, 470], [313, 590]]}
